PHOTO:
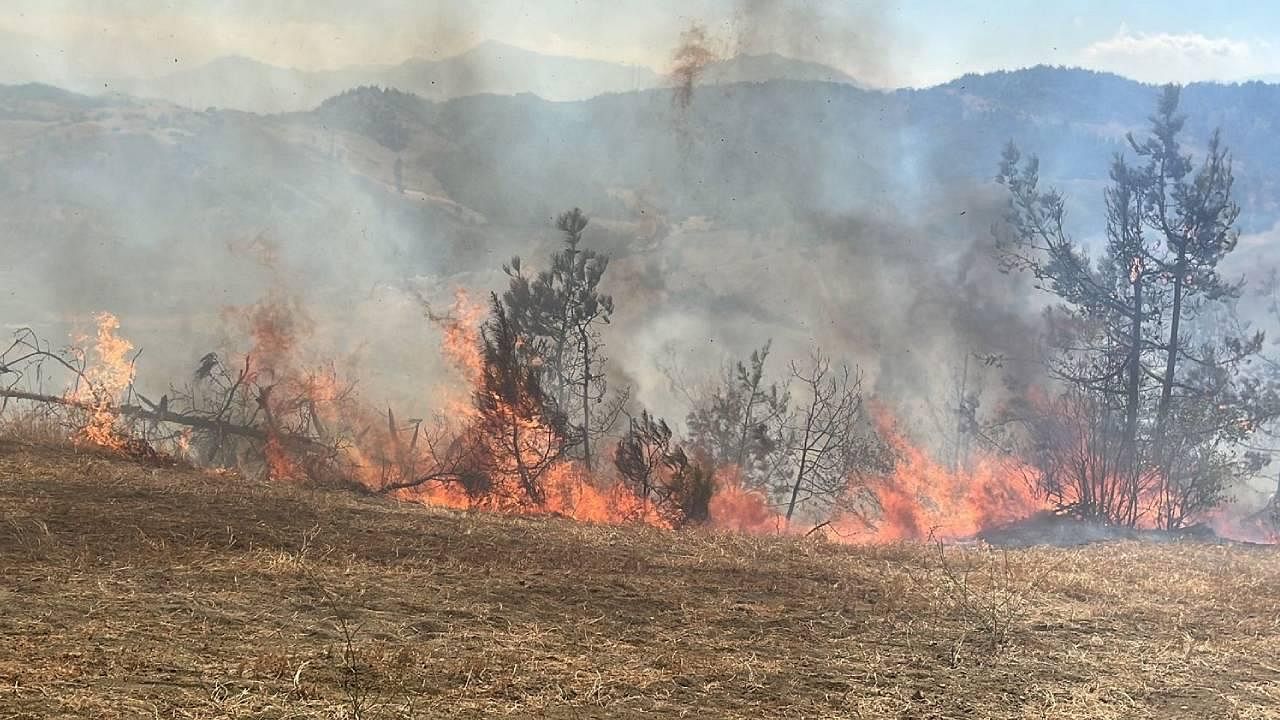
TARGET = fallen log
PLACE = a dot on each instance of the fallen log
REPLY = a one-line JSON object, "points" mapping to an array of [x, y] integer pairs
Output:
{"points": [[168, 416]]}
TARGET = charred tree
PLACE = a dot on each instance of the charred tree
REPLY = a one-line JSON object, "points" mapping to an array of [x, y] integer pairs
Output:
{"points": [[659, 472], [523, 428], [642, 454]]}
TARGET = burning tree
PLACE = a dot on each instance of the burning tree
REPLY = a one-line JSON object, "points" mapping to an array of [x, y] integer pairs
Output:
{"points": [[563, 309], [660, 473], [642, 453], [524, 432], [100, 380], [223, 417], [1145, 339]]}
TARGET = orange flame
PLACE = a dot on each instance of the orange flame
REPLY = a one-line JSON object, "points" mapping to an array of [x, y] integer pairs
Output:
{"points": [[281, 465], [922, 498], [105, 380], [573, 493], [734, 507], [919, 498], [461, 329]]}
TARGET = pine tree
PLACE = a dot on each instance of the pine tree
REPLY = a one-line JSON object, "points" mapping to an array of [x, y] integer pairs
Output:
{"points": [[524, 432], [564, 309], [1147, 340]]}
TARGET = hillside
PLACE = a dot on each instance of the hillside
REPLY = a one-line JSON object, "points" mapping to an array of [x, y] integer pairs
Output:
{"points": [[715, 214], [133, 590], [131, 199]]}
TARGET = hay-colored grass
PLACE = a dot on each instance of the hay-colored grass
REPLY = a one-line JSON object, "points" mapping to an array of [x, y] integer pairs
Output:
{"points": [[136, 591]]}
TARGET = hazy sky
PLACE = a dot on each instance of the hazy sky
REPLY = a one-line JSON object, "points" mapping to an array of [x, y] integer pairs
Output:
{"points": [[884, 43]]}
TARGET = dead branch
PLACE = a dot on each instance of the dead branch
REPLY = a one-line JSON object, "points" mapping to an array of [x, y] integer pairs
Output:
{"points": [[168, 416]]}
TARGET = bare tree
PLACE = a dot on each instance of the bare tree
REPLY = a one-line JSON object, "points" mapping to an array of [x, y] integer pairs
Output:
{"points": [[829, 441]]}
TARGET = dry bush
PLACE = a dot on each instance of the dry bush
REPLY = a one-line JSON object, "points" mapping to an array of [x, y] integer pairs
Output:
{"points": [[983, 591], [365, 675]]}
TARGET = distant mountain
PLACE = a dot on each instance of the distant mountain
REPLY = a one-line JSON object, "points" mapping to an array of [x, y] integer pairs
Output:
{"points": [[752, 151], [245, 84], [493, 67], [38, 102], [241, 83], [489, 68], [770, 66], [747, 147]]}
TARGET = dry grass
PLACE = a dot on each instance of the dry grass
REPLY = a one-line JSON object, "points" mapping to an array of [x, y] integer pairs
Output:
{"points": [[135, 591], [32, 425]]}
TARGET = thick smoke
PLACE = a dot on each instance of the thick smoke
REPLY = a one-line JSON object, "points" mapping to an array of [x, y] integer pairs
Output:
{"points": [[895, 273], [906, 299], [789, 211]]}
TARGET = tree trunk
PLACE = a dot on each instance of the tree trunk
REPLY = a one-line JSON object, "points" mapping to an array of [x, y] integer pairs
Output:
{"points": [[1133, 397], [1171, 355], [167, 416], [746, 428], [523, 472], [800, 473], [586, 401], [961, 429], [804, 457]]}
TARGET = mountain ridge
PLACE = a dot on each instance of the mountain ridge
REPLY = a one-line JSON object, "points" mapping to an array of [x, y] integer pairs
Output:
{"points": [[490, 67]]}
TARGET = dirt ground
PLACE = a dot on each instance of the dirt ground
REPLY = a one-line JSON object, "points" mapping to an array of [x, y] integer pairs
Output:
{"points": [[129, 590]]}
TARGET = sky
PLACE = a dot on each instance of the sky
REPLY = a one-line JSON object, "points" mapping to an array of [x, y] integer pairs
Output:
{"points": [[890, 44]]}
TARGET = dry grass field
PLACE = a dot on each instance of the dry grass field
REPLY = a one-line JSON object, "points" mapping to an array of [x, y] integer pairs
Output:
{"points": [[136, 591]]}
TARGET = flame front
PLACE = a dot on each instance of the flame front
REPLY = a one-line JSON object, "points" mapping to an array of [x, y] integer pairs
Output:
{"points": [[919, 498], [922, 498]]}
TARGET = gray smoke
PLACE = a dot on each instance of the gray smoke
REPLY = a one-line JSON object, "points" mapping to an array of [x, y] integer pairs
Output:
{"points": [[733, 218]]}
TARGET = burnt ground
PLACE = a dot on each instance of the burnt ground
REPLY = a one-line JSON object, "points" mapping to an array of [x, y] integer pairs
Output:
{"points": [[129, 590], [1047, 528]]}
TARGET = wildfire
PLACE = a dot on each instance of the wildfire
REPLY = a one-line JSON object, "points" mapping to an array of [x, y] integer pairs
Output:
{"points": [[918, 498], [106, 377], [460, 345], [923, 498], [461, 328], [303, 401], [572, 493], [276, 326], [281, 464], [734, 507]]}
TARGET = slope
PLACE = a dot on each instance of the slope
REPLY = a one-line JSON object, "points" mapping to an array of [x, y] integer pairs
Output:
{"points": [[133, 590]]}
